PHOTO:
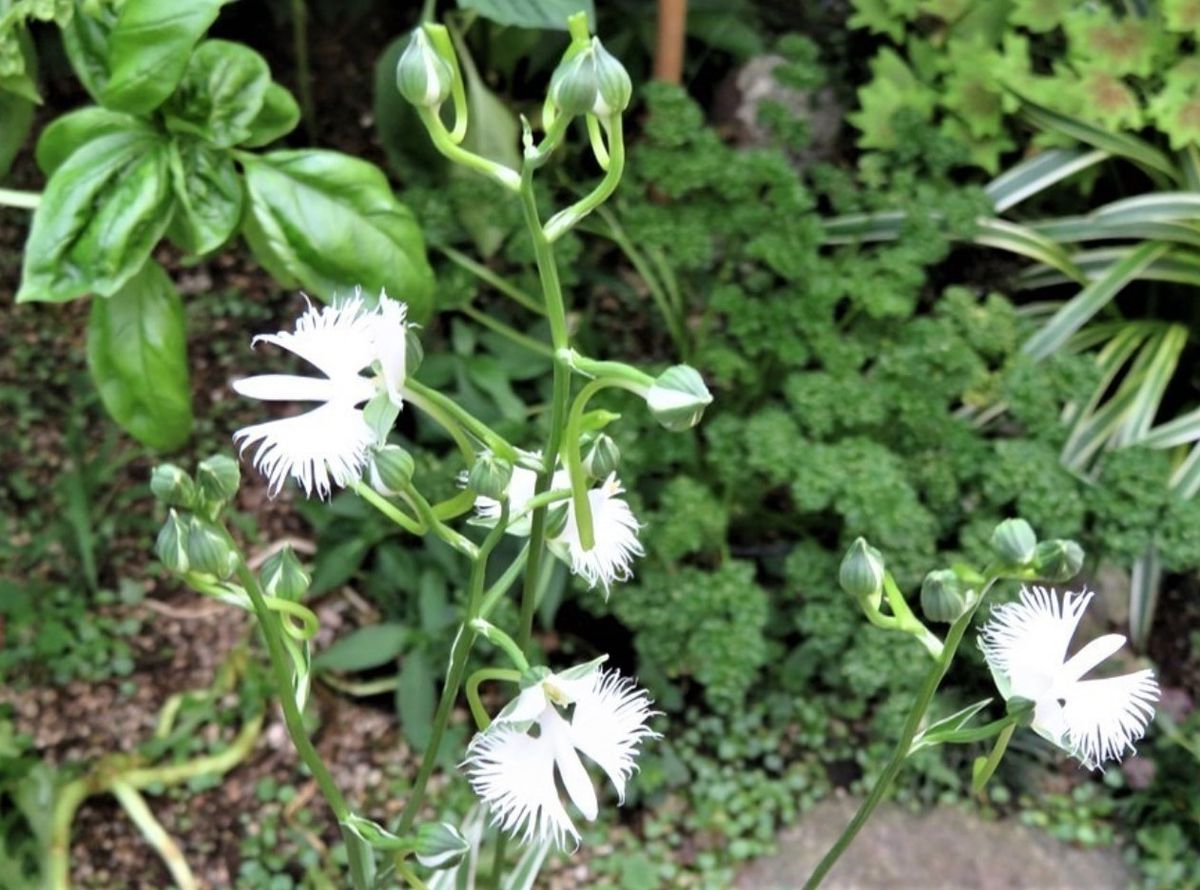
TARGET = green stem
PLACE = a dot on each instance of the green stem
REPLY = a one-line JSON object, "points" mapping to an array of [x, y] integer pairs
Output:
{"points": [[579, 480], [445, 421], [482, 720], [565, 220], [980, 779], [911, 724], [303, 68], [496, 592], [460, 543], [155, 835], [619, 374], [24, 200], [459, 653], [489, 437], [523, 340], [442, 141], [391, 511], [483, 273], [503, 641], [66, 803]]}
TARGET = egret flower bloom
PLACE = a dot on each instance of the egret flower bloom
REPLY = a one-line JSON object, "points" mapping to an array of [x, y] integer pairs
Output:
{"points": [[515, 772], [614, 527], [328, 445], [1025, 644]]}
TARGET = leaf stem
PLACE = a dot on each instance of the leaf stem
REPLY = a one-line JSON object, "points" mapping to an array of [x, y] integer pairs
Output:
{"points": [[24, 200], [483, 273]]}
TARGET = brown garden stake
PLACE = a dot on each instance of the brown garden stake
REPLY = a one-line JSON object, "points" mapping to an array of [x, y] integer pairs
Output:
{"points": [[668, 55]]}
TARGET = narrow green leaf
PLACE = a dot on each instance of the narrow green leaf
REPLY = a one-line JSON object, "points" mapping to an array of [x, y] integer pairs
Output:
{"points": [[855, 228], [149, 48], [1144, 582], [1178, 266], [1189, 162], [1137, 150], [1078, 310], [525, 874], [1038, 173], [1186, 478], [1094, 228], [416, 699], [545, 14], [1164, 352], [332, 222], [1182, 430], [137, 355], [1156, 207], [1026, 242], [367, 647]]}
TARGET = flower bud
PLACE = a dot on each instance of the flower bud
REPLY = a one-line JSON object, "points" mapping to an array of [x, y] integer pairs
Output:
{"points": [[489, 476], [440, 845], [391, 469], [172, 486], [601, 457], [592, 81], [422, 76], [941, 596], [283, 576], [1014, 542], [678, 397], [208, 551], [861, 572], [1058, 560], [556, 519], [171, 545], [218, 478]]}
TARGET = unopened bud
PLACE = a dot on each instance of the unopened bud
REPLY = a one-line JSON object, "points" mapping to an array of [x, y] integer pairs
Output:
{"points": [[490, 476], [283, 576], [208, 551], [171, 545], [941, 596], [391, 469], [601, 457], [1058, 560], [678, 398], [172, 486], [861, 572], [592, 81], [218, 478], [1014, 542], [556, 520], [422, 76], [440, 845]]}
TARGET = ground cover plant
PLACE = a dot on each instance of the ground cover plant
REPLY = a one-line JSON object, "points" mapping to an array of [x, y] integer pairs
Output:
{"points": [[869, 353]]}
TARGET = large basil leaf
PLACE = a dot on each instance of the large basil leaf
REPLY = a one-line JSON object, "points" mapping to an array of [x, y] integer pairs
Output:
{"points": [[16, 113], [101, 214], [277, 117], [221, 93], [76, 128], [531, 13], [332, 221], [85, 38], [149, 48], [137, 353], [209, 195]]}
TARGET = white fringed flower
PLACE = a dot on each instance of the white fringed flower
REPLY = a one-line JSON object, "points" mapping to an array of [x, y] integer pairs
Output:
{"points": [[515, 772], [614, 527], [328, 445], [1025, 644]]}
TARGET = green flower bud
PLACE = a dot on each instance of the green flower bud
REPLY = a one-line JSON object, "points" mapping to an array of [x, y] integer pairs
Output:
{"points": [[422, 76], [208, 551], [391, 469], [218, 478], [1014, 542], [592, 81], [440, 845], [1058, 560], [941, 596], [489, 476], [601, 457], [171, 545], [861, 572], [414, 352], [283, 576], [172, 486], [678, 398], [556, 519]]}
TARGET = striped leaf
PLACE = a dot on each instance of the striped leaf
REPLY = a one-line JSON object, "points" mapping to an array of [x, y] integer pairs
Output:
{"points": [[855, 228], [1091, 424], [1144, 582], [1181, 430], [1022, 240], [1072, 229], [1038, 173], [1077, 311], [1189, 163], [1163, 359], [1186, 478], [1156, 207], [1177, 267]]}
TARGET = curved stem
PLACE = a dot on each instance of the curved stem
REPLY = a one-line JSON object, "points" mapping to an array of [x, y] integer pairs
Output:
{"points": [[503, 641], [489, 437], [460, 543], [482, 720], [565, 220], [980, 779], [579, 480], [911, 724], [446, 422], [498, 173], [157, 836], [391, 511]]}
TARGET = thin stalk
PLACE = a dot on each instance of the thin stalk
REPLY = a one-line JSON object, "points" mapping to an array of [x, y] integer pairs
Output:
{"points": [[66, 804], [482, 720], [24, 200], [442, 141], [496, 592], [566, 219], [445, 421], [579, 487], [303, 68], [392, 512], [502, 641], [504, 330], [912, 723], [483, 273], [157, 836], [456, 673], [980, 779], [485, 434], [460, 543]]}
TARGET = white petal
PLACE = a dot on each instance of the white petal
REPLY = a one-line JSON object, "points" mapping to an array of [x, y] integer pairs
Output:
{"points": [[1027, 640], [391, 344], [615, 531], [525, 708], [1105, 717], [520, 492], [292, 388], [609, 725], [1085, 659], [570, 768], [513, 773], [335, 339], [321, 448]]}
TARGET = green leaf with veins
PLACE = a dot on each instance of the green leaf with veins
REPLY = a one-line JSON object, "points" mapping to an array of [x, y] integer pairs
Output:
{"points": [[221, 93], [209, 193]]}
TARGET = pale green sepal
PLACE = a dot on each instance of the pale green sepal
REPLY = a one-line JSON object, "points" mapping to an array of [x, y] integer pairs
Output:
{"points": [[678, 397]]}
